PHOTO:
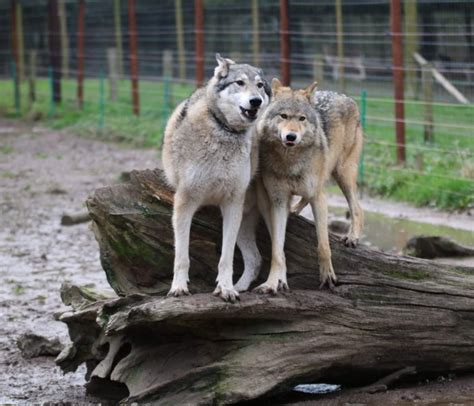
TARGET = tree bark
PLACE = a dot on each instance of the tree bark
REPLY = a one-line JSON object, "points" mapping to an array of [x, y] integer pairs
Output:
{"points": [[387, 312]]}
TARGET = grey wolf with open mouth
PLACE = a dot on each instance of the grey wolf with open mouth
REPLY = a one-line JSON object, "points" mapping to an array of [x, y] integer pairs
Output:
{"points": [[207, 158]]}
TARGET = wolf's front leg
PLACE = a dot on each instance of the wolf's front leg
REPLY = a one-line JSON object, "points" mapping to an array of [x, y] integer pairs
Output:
{"points": [[277, 277], [183, 211], [232, 216], [320, 213]]}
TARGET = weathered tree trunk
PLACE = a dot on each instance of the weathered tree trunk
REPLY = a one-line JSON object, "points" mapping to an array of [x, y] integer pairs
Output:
{"points": [[387, 312]]}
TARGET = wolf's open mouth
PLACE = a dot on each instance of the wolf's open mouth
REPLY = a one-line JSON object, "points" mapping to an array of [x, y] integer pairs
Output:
{"points": [[251, 114], [290, 144]]}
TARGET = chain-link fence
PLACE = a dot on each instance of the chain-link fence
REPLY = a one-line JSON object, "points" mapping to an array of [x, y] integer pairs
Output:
{"points": [[118, 67]]}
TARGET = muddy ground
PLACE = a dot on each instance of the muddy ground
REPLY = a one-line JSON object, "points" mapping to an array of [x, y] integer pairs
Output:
{"points": [[43, 174]]}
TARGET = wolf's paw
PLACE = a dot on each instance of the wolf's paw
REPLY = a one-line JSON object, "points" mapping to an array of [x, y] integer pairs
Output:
{"points": [[328, 278], [350, 241], [178, 291], [226, 294], [283, 286], [266, 288]]}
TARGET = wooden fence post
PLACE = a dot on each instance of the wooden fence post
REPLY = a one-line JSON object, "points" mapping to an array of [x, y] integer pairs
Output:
{"points": [[16, 88], [284, 44], [199, 31], [113, 72], [14, 62], [180, 39], [132, 30], [118, 36], [21, 42], [255, 33], [397, 69], [80, 53], [441, 79], [32, 77], [55, 49], [411, 44], [318, 69], [340, 46], [427, 82], [64, 39], [14, 33]]}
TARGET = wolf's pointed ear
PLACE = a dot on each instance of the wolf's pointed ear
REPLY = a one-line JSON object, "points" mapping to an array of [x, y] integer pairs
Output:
{"points": [[266, 84], [222, 68], [310, 90], [276, 85]]}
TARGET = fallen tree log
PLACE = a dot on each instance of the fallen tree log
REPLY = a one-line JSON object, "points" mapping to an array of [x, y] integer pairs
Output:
{"points": [[387, 312]]}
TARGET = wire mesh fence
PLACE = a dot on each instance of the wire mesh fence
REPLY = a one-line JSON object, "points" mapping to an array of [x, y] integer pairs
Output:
{"points": [[118, 68]]}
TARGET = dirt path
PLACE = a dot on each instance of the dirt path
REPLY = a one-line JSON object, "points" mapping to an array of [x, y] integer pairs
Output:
{"points": [[43, 174]]}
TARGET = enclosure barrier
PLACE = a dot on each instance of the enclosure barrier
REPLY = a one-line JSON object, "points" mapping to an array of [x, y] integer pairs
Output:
{"points": [[130, 62]]}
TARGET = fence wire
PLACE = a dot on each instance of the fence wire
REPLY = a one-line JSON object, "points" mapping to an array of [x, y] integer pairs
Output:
{"points": [[348, 52]]}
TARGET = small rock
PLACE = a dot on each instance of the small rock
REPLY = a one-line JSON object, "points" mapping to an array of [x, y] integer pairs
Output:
{"points": [[411, 397], [33, 345], [125, 176], [57, 191], [423, 246]]}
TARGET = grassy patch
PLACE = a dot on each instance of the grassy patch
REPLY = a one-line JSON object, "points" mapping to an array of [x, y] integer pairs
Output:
{"points": [[8, 175], [118, 122], [6, 149], [438, 174], [42, 155]]}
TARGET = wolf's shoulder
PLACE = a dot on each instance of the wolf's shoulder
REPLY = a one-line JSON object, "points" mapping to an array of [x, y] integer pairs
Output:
{"points": [[196, 97], [195, 101], [325, 100], [330, 105]]}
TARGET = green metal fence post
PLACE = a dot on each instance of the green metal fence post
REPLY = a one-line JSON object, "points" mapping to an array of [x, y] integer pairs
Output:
{"points": [[101, 100], [16, 88], [166, 100], [52, 104], [363, 110]]}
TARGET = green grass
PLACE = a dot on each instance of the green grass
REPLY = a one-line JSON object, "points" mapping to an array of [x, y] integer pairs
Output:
{"points": [[119, 122], [6, 149], [439, 174]]}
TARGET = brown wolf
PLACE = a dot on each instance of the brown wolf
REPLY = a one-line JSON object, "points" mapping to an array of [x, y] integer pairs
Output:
{"points": [[304, 137]]}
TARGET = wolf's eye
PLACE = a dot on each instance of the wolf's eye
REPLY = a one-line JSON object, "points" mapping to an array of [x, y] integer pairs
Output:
{"points": [[240, 82], [283, 116], [302, 118], [260, 85]]}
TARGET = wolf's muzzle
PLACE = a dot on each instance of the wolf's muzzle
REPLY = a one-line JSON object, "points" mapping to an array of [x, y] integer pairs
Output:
{"points": [[251, 114]]}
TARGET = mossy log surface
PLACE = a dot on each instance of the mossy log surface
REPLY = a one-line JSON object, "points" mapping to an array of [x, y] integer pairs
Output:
{"points": [[386, 313]]}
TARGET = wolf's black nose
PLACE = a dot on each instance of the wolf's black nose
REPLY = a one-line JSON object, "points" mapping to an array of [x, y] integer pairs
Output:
{"points": [[290, 137], [256, 102]]}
